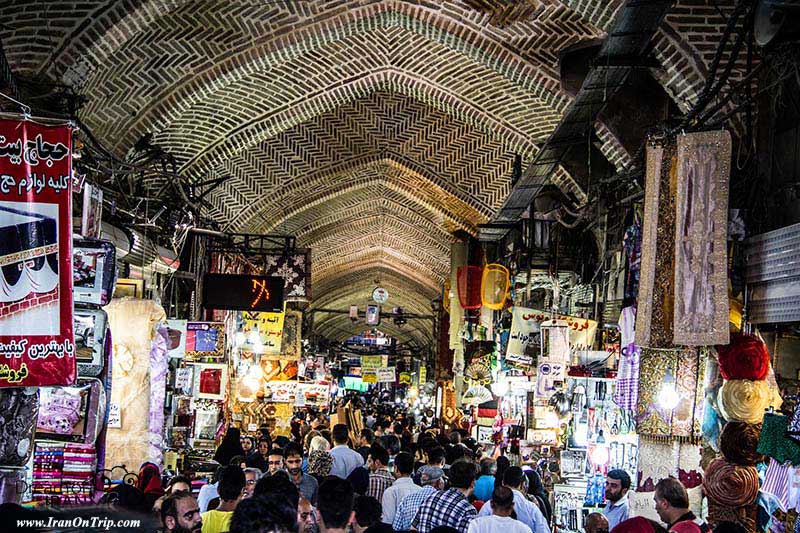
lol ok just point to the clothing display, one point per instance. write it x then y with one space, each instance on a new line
731 484
746 357
738 442
701 233
774 443
744 400
626 391
663 458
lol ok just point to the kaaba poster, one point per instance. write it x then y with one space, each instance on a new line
36 329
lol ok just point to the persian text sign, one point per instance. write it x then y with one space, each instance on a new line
36 331
386 374
526 326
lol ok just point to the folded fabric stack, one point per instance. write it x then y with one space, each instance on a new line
48 465
80 461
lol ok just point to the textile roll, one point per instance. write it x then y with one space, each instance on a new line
742 400
746 357
739 441
655 302
701 230
730 484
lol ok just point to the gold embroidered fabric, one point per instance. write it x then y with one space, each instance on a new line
655 302
701 221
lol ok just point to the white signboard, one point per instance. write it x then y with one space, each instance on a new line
114 415
386 374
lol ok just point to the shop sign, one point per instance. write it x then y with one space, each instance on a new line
520 359
243 292
369 376
386 374
183 379
114 415
373 315
405 378
283 391
423 374
380 295
176 330
526 328
313 394
549 378
269 329
36 327
371 362
205 340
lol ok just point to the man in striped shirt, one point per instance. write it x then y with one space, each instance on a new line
449 507
380 478
432 479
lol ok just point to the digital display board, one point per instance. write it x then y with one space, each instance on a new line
243 292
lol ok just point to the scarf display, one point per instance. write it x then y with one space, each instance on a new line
731 485
659 460
774 442
654 315
746 357
738 442
626 390
701 232
320 463
687 367
742 400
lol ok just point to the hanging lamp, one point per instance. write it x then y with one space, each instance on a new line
469 286
494 286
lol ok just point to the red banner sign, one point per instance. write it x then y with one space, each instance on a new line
37 347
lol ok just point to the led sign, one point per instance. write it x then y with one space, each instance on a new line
243 292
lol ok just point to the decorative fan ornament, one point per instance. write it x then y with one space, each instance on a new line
478 372
477 395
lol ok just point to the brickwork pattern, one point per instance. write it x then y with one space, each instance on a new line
371 129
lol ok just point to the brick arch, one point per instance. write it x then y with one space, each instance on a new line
385 258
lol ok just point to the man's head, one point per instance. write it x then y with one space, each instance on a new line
462 476
275 460
436 456
595 523
277 484
261 515
433 476
671 500
179 484
618 482
378 457
335 504
340 434
368 512
293 458
251 477
403 465
488 466
305 516
231 483
367 437
514 478
502 501
455 437
180 513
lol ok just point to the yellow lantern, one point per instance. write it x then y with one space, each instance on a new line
494 286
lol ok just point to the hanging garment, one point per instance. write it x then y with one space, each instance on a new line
626 390
774 443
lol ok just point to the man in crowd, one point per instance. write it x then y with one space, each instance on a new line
208 492
527 512
618 482
485 484
251 477
368 516
345 460
306 517
231 489
180 513
335 505
380 478
672 506
402 486
365 440
432 479
275 515
307 485
435 457
450 507
274 460
596 523
500 519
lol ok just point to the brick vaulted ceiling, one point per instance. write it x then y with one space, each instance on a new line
370 129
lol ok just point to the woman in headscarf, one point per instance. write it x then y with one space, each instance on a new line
229 448
537 493
320 459
503 464
149 483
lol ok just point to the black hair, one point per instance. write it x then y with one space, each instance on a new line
378 453
237 460
359 479
275 451
514 477
461 475
404 463
340 434
488 466
231 483
502 498
261 515
368 510
729 527
292 449
436 455
368 434
278 484
444 529
174 480
391 443
621 476
169 506
335 502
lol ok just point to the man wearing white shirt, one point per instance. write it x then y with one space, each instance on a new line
500 519
402 487
527 512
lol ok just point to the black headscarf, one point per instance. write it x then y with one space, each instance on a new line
229 448
502 465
